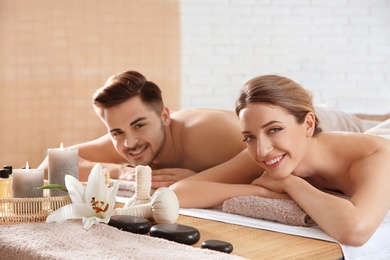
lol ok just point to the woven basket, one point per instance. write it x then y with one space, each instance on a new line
22 210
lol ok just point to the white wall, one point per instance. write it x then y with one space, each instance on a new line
338 49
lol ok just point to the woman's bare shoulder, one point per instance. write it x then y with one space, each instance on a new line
351 141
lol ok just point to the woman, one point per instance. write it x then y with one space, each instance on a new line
283 137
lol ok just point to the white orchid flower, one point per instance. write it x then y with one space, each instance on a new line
93 203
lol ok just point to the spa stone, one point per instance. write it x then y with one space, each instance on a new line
130 223
217 245
175 232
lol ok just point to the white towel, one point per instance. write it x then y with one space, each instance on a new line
382 129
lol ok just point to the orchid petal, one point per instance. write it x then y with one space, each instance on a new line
88 222
112 191
96 186
76 190
60 215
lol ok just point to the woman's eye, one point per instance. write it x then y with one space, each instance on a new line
247 139
275 130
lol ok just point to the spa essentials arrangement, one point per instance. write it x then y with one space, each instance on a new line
20 198
162 206
94 201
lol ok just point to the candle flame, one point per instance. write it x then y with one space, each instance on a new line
61 147
27 167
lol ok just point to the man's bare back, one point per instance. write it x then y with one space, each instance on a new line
206 137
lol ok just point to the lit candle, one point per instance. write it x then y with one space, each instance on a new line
26 181
62 161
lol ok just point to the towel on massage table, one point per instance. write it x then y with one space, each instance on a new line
279 210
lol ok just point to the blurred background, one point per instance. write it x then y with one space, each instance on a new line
55 54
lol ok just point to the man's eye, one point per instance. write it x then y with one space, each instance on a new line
115 134
247 139
138 126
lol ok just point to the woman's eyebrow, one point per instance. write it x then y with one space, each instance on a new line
270 123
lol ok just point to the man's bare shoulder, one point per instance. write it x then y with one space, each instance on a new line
193 116
206 137
209 125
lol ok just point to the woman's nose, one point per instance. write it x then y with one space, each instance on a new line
264 147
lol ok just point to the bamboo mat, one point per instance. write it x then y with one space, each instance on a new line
254 243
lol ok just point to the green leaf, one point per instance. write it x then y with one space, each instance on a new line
53 186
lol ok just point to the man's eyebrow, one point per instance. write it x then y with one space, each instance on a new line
137 120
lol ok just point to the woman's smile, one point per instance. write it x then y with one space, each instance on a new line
274 162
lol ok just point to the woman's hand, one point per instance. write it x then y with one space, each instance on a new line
268 182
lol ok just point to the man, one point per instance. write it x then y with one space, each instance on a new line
141 131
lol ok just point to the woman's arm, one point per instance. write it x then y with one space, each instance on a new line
206 194
230 179
353 221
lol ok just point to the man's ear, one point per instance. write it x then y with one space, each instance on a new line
310 123
166 116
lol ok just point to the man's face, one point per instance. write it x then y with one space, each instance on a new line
137 131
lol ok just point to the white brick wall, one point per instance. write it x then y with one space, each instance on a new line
338 49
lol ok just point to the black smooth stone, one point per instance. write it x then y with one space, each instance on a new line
177 233
217 245
130 223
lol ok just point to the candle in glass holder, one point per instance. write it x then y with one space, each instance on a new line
62 161
26 181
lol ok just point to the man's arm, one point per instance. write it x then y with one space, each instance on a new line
100 150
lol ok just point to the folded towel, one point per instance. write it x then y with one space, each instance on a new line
69 240
127 188
278 210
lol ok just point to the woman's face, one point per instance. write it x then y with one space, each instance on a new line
275 140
